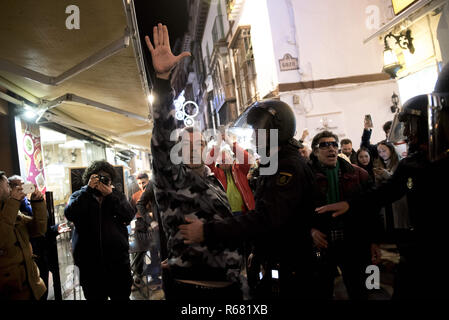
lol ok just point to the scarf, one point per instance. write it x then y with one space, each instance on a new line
333 191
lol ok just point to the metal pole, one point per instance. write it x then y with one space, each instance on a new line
53 247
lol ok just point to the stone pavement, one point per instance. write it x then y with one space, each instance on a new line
387 266
389 262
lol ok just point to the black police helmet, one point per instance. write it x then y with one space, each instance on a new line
273 114
416 106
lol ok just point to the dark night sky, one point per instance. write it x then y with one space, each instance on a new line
173 13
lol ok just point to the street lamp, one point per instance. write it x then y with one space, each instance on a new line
391 62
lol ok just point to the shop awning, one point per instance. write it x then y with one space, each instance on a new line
100 63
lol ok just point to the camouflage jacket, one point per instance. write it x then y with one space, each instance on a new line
180 192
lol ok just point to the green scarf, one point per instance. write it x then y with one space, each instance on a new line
333 191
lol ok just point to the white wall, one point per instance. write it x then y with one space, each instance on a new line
330 37
285 40
327 37
353 101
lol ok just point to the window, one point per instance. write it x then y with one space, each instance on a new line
218 29
208 56
219 96
223 84
244 67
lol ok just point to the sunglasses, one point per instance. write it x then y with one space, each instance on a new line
328 144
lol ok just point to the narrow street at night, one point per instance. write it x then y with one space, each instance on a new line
224 158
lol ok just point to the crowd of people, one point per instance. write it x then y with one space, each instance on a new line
216 227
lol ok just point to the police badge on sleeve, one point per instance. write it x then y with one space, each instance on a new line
283 178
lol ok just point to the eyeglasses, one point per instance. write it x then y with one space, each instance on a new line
328 144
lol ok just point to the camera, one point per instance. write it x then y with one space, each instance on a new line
28 188
105 180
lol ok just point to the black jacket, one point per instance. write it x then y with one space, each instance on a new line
361 226
282 219
100 235
366 136
425 185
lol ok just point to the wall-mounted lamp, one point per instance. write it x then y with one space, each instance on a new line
395 101
391 62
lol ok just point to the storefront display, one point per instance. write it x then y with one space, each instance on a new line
30 153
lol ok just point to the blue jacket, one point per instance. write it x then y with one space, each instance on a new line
25 207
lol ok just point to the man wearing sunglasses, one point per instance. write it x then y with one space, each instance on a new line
346 243
422 176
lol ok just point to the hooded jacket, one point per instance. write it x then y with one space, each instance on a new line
19 275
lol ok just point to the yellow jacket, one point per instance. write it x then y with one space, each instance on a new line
19 275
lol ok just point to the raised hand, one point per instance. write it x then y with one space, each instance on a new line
163 58
305 133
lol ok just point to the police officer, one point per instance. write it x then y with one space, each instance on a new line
422 177
280 224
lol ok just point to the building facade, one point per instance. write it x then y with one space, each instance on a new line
320 57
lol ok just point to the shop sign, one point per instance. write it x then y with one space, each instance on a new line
34 164
288 63
401 5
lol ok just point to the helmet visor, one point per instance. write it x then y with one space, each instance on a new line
438 116
254 117
243 131
396 134
254 124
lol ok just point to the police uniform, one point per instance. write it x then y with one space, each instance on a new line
280 228
423 177
421 272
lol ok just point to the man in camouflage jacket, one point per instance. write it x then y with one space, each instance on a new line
186 190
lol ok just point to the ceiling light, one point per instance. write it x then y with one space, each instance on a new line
29 114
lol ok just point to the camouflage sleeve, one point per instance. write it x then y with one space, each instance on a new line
163 126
